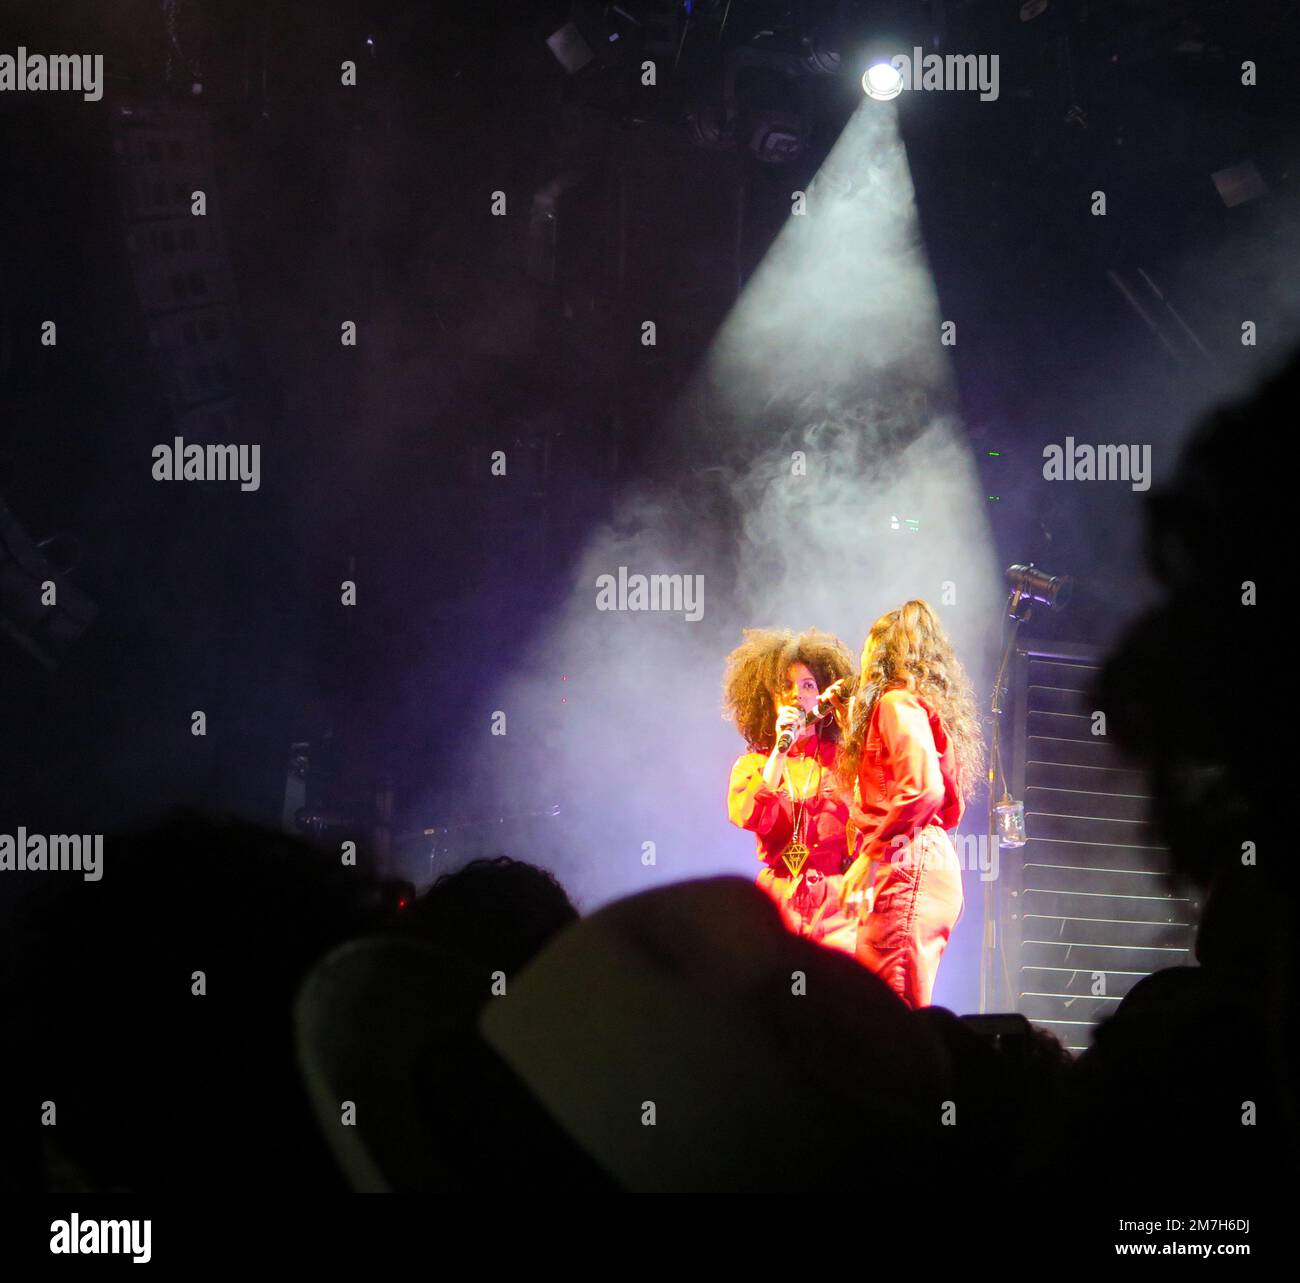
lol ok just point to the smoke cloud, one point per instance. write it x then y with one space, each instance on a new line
840 486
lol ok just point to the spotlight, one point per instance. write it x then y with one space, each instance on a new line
706 129
777 139
1037 586
882 81
819 57
765 98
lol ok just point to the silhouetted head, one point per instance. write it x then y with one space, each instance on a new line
1205 738
152 1008
496 911
1188 695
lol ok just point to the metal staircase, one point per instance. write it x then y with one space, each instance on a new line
1084 910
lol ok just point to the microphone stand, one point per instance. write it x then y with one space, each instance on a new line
992 947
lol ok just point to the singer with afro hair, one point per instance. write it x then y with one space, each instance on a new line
783 692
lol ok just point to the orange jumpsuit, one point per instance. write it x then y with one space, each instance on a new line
810 902
906 799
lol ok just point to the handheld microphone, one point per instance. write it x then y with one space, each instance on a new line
824 707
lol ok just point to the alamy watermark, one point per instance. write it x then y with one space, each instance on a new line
91 1237
955 72
1082 462
975 853
673 594
212 462
25 72
24 852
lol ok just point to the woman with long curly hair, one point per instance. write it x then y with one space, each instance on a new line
784 789
912 753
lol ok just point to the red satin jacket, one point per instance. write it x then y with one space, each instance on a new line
907 778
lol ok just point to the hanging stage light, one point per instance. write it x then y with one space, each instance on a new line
1031 586
882 81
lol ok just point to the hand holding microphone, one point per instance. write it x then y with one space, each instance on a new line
790 721
831 700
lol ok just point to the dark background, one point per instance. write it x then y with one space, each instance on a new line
371 204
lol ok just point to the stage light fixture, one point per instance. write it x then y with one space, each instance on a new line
882 81
819 58
1032 586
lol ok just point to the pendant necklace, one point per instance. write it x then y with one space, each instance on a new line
795 854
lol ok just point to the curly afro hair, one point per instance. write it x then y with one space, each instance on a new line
756 674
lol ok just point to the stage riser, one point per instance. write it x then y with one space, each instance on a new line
1086 908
